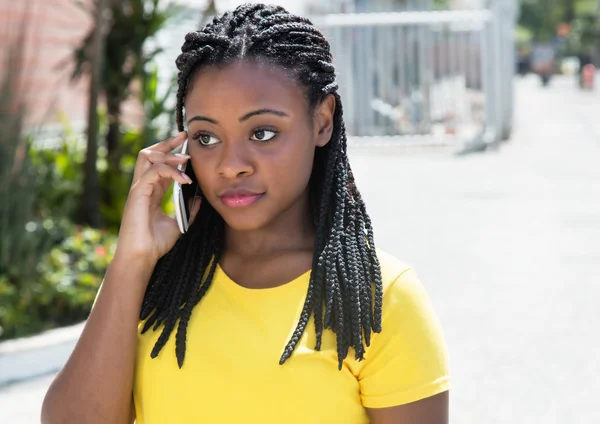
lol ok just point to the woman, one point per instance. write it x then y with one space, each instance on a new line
275 306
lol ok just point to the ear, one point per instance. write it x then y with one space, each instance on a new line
323 120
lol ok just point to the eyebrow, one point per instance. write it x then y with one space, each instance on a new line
243 118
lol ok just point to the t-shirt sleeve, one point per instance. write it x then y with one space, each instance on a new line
408 360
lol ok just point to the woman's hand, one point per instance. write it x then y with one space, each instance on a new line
146 231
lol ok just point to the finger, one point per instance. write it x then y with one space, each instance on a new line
148 157
157 174
168 158
169 144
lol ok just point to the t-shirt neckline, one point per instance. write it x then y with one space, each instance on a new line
232 285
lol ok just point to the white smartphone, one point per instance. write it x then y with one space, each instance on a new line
182 211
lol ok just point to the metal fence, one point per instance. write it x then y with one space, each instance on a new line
439 76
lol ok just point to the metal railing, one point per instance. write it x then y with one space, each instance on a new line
441 76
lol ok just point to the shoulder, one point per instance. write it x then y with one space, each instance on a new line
407 361
404 296
392 269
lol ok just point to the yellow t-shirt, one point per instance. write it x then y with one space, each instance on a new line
235 338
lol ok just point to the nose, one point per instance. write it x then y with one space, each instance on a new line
235 161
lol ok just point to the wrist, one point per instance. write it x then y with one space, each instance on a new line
134 264
125 283
125 253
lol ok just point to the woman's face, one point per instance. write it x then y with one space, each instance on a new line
252 141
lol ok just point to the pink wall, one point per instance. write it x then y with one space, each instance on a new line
53 28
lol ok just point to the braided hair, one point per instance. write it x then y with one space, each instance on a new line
345 289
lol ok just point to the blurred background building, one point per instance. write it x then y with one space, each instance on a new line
420 65
42 35
401 75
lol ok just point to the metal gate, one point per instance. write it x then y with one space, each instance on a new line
440 76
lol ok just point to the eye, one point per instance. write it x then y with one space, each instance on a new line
206 139
263 135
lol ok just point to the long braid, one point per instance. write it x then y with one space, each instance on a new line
345 288
199 292
365 270
319 256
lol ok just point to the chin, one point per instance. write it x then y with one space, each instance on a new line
244 219
245 223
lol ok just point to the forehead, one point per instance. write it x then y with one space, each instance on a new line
243 84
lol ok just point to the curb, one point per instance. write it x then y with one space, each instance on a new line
30 357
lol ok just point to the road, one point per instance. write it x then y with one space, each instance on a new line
507 243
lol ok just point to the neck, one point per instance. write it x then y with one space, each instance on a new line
291 230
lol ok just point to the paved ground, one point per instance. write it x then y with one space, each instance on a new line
508 244
22 403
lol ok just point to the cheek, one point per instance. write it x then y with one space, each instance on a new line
201 171
293 165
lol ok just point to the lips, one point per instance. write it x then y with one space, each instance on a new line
237 198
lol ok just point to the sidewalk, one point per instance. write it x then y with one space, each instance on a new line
508 245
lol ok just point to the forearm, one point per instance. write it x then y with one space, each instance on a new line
96 383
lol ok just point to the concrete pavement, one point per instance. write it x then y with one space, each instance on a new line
508 245
22 403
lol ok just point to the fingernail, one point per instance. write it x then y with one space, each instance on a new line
187 178
181 155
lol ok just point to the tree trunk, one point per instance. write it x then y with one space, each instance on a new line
113 136
569 10
113 146
90 211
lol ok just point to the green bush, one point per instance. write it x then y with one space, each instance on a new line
76 267
58 173
21 283
70 275
24 236
50 269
